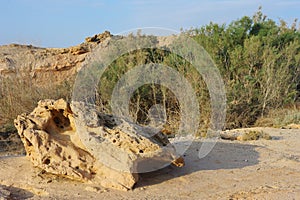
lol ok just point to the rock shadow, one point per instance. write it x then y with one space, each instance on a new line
224 155
11 144
10 192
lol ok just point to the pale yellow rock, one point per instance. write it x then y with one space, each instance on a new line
244 134
46 65
92 189
79 143
121 144
292 126
50 141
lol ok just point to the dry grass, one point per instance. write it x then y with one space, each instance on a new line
20 95
281 117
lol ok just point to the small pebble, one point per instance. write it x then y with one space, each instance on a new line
92 189
105 190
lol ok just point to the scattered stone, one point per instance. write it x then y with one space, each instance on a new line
92 189
291 126
244 135
105 190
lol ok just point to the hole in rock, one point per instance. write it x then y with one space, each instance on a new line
47 161
58 123
59 119
56 120
28 142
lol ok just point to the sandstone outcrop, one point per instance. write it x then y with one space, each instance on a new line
98 38
78 142
46 64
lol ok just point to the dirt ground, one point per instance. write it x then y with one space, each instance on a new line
261 169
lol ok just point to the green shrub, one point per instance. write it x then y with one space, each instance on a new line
260 64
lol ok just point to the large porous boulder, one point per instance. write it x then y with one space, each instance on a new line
78 142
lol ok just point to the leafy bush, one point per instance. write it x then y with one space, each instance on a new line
260 64
258 60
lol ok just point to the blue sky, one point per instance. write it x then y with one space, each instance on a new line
63 23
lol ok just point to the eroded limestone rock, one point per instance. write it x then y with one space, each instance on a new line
44 65
78 142
98 38
121 144
50 140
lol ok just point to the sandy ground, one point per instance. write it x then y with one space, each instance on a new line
262 169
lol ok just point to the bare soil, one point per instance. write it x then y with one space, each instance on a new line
260 169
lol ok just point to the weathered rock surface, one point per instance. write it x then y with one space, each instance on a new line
134 148
98 38
50 141
80 143
44 64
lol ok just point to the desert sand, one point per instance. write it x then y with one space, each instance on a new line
259 169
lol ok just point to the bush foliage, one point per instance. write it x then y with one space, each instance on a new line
258 59
260 64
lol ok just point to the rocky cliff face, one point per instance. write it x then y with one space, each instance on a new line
44 64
